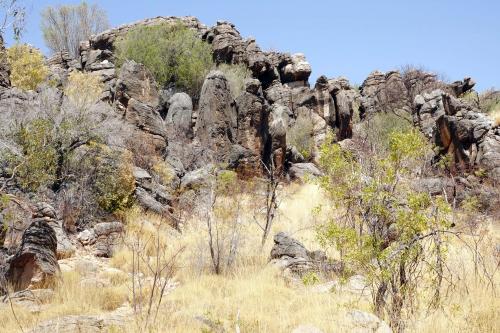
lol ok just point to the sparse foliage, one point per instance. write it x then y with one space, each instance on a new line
27 67
223 218
13 16
171 51
65 26
387 229
301 136
236 76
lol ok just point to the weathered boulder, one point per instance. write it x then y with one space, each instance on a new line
150 194
296 69
461 87
35 263
47 213
179 115
116 320
364 322
229 47
302 170
216 127
290 255
459 129
279 118
103 237
252 129
136 81
383 92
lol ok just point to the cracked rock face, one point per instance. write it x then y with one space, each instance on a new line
290 255
460 129
35 263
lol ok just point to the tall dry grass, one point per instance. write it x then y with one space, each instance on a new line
254 295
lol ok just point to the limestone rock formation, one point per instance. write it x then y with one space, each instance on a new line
364 322
217 119
229 47
47 213
292 256
179 115
104 237
461 130
35 263
116 320
253 129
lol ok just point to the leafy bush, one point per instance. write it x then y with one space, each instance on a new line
379 127
37 166
386 226
83 88
114 181
27 67
236 76
301 136
172 52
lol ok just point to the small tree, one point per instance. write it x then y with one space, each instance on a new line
385 228
13 16
27 65
64 27
44 136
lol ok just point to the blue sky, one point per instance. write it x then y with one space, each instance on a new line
456 38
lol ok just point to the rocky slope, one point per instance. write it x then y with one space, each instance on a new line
248 133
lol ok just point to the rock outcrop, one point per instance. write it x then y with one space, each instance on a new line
35 263
217 118
290 255
461 130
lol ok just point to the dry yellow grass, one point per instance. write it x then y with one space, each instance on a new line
495 116
255 292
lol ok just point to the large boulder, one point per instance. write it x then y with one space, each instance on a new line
103 238
252 128
229 47
279 118
216 127
461 130
290 255
35 263
136 81
179 115
47 213
297 69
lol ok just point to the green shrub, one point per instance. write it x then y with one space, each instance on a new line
172 52
27 67
236 76
114 180
37 167
380 126
301 136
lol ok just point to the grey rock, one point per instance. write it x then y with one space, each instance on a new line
301 170
35 262
290 255
298 69
179 114
217 120
364 322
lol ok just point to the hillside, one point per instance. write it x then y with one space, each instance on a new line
174 177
